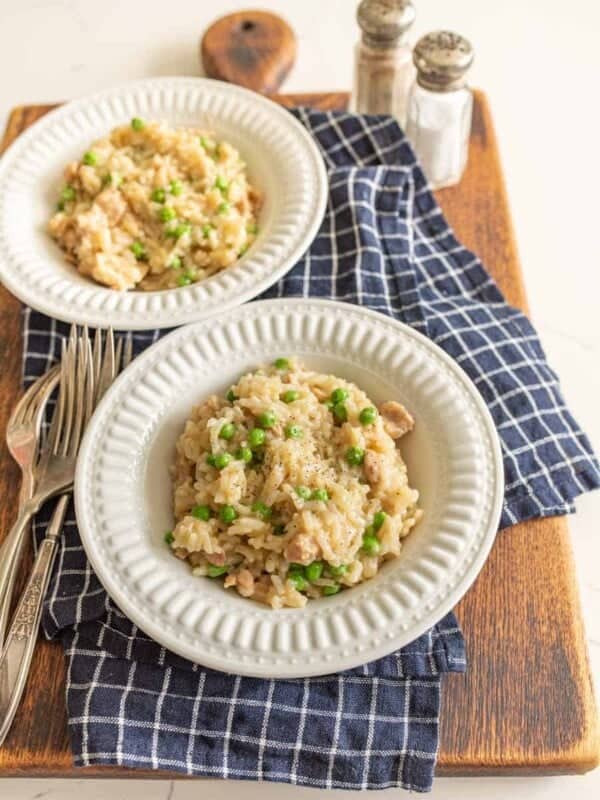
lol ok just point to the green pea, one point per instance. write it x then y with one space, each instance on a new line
355 456
339 395
167 213
223 207
230 396
298 581
290 396
138 124
321 495
244 454
169 538
340 412
378 519
90 158
256 437
267 419
304 492
296 569
201 512
176 188
328 591
184 280
227 432
214 571
60 206
210 459
337 572
252 228
221 184
261 509
176 263
204 142
206 229
279 529
68 194
293 432
111 179
367 416
139 251
177 231
228 514
281 363
222 460
370 544
314 571
158 196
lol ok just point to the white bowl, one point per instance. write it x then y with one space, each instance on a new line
283 162
123 491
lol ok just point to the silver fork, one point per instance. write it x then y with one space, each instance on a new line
53 473
104 364
22 436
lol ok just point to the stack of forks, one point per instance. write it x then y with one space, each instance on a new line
47 464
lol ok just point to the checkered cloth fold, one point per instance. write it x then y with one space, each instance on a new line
384 244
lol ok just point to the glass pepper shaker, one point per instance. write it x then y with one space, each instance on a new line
383 60
440 106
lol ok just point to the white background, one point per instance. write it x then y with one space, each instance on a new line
539 62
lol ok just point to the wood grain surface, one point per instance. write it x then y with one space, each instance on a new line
255 49
526 704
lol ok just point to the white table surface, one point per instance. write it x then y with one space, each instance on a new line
539 63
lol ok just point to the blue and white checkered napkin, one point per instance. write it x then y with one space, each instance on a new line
384 244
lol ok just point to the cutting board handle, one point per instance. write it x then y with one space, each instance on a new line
255 49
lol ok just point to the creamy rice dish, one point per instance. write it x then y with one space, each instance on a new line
291 486
152 207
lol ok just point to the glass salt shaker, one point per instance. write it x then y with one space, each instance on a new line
440 106
384 70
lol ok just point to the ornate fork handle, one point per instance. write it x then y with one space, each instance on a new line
12 543
20 643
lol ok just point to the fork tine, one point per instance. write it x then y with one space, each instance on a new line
23 409
118 356
41 401
128 351
80 379
97 356
90 392
56 424
107 372
69 391
30 402
89 384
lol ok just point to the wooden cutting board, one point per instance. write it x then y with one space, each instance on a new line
526 704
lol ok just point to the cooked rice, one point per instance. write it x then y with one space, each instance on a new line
265 551
152 207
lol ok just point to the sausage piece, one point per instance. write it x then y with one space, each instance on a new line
396 419
302 549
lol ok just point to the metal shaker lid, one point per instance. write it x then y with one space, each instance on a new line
442 59
384 21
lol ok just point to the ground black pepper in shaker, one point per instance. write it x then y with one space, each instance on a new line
383 62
